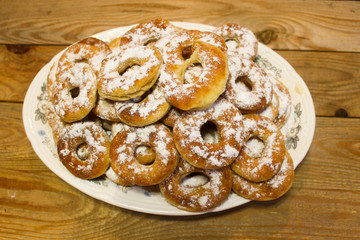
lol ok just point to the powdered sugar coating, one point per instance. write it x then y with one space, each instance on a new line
260 94
155 32
105 109
172 116
77 68
284 102
264 167
142 66
122 154
98 144
79 76
241 42
203 154
149 110
55 122
209 85
272 110
197 198
110 174
270 189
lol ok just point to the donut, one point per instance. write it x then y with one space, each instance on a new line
257 163
241 42
101 51
110 174
284 102
272 110
74 90
172 116
156 32
55 122
209 155
123 160
84 133
146 111
245 72
105 109
129 72
208 86
143 154
270 189
197 198
51 87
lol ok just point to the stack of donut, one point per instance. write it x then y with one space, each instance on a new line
161 105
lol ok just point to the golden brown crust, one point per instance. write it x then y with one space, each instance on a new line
55 122
77 69
246 44
284 102
105 109
271 189
76 134
110 174
129 72
260 93
265 166
200 153
172 116
156 32
209 86
145 112
272 110
197 198
123 160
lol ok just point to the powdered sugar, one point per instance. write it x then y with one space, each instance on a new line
204 153
260 94
119 61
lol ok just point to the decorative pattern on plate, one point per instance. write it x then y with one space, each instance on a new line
266 64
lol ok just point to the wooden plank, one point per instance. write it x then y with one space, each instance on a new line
310 25
331 77
322 204
19 64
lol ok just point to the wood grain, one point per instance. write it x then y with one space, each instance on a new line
322 204
331 77
307 25
19 64
320 39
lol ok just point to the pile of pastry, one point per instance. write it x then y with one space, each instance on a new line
186 110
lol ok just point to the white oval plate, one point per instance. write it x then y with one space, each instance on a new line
299 131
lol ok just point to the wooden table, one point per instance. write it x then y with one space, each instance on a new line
320 39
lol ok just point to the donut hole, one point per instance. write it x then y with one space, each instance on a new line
192 73
128 68
254 147
83 151
210 132
243 83
81 60
151 42
194 179
187 52
231 43
145 155
75 92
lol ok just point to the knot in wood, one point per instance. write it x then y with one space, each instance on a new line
266 36
18 49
